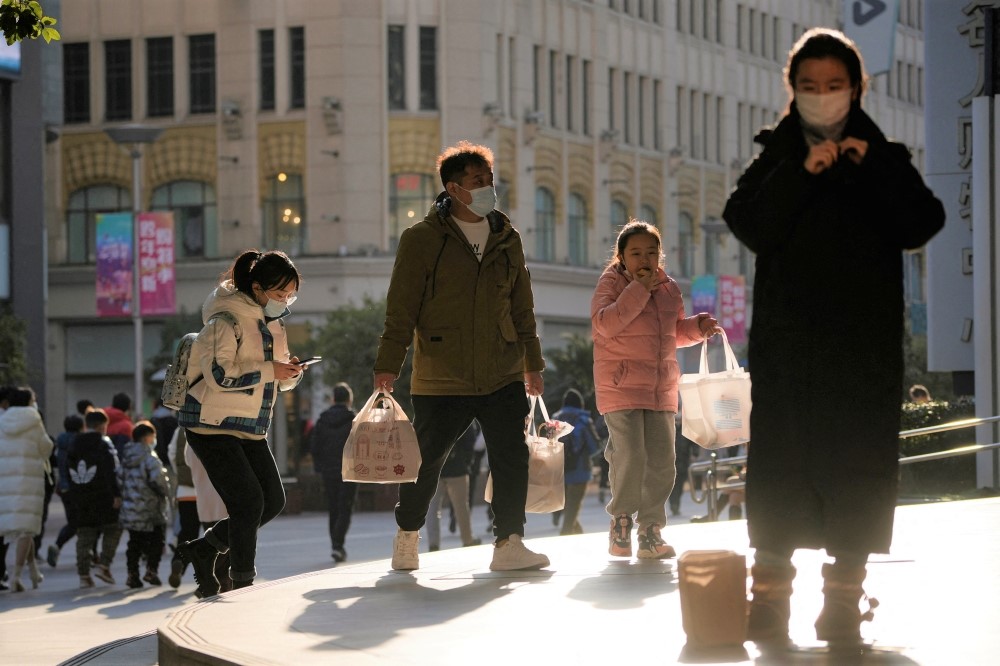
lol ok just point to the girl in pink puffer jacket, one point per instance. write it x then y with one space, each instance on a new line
637 316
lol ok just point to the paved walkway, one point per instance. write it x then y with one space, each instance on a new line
938 591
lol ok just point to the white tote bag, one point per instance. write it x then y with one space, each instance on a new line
382 446
546 474
715 406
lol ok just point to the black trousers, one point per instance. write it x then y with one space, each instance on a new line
439 421
148 544
340 496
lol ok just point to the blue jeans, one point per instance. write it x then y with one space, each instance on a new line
244 473
439 420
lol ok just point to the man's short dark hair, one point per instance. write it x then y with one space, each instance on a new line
572 398
453 161
83 405
121 401
342 394
95 419
73 423
142 429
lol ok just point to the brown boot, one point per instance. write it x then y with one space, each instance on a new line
770 605
841 618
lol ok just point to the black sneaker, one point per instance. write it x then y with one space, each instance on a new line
201 556
152 578
133 580
176 571
338 554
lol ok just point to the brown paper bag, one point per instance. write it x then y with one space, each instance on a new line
713 587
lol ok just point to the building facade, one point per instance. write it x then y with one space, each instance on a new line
312 126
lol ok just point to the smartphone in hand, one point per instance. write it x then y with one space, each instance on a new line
309 361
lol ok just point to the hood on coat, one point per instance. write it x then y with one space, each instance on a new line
134 453
227 298
18 420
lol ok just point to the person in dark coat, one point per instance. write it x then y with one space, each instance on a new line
326 443
828 207
92 465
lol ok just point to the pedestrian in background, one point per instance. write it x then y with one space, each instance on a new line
72 426
92 464
638 321
145 490
25 448
827 207
235 381
578 448
185 504
326 444
454 484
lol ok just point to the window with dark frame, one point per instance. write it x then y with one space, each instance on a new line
428 68
76 83
396 79
118 79
201 60
265 44
159 76
297 67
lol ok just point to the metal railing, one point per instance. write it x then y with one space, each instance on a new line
713 485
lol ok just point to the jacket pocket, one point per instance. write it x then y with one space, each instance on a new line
440 354
510 351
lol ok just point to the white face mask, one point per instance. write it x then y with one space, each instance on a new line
484 199
824 110
275 308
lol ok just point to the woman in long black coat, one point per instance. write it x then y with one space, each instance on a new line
828 207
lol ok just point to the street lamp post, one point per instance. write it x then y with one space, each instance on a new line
134 136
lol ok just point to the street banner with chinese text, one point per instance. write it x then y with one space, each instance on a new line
156 264
733 307
114 264
704 294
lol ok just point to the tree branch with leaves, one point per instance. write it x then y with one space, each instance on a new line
25 19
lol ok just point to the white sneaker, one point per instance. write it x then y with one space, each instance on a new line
514 556
404 550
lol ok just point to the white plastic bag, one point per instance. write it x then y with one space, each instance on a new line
715 406
546 474
382 446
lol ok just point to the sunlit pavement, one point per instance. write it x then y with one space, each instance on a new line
938 591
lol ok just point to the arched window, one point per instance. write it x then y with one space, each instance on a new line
576 218
619 217
284 214
545 225
711 252
685 245
82 209
410 196
195 217
648 214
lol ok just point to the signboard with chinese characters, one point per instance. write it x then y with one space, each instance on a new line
704 294
733 307
156 264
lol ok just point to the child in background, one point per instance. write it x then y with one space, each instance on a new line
92 465
145 489
638 322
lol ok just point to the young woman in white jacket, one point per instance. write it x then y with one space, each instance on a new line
235 373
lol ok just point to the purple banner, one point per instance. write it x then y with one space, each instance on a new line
704 296
114 264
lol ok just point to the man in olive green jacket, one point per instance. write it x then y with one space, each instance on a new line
461 289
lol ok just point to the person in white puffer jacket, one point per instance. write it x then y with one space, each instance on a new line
24 461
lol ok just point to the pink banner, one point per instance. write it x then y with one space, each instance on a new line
733 307
156 264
